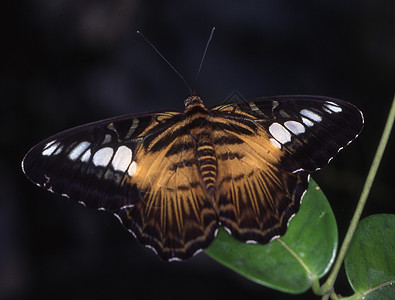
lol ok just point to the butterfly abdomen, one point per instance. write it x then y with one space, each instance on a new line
201 130
207 163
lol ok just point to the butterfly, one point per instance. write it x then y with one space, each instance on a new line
172 178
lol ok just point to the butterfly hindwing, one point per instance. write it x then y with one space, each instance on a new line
175 216
255 197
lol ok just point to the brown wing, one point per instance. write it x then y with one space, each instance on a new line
266 149
134 167
174 215
255 197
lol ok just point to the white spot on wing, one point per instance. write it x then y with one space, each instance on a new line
251 242
153 249
275 143
86 156
78 150
197 252
132 168
102 157
334 108
311 115
118 217
122 159
279 132
307 122
132 128
228 230
305 191
50 148
60 148
134 235
216 232
253 106
332 103
49 144
127 206
290 218
107 139
174 259
274 238
294 127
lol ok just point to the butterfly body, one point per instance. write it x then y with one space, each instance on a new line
201 133
172 178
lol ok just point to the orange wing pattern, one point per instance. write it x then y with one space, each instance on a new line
175 215
172 177
266 149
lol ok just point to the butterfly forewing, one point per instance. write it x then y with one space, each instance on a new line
89 163
172 178
307 131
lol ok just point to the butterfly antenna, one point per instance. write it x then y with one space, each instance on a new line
204 54
161 55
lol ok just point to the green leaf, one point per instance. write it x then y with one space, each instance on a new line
370 260
290 264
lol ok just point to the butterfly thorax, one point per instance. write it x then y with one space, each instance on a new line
201 132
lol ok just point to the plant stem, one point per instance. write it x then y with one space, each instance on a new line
325 297
328 285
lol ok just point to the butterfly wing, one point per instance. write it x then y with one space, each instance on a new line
266 149
129 166
308 130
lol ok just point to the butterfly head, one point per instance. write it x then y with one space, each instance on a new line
192 99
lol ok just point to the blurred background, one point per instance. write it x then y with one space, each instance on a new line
66 63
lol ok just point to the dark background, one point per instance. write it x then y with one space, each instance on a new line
66 63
